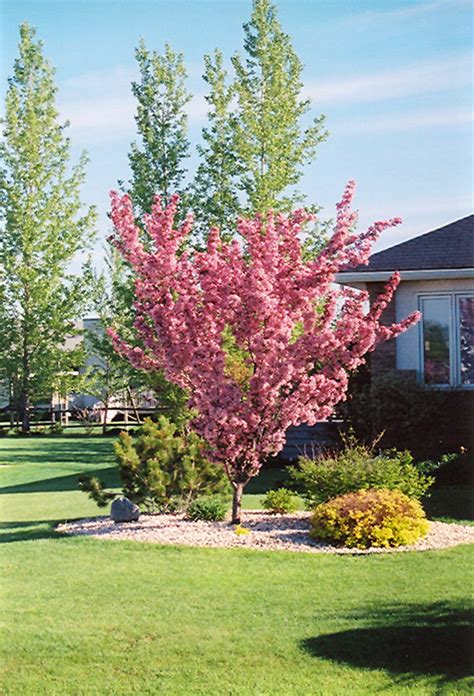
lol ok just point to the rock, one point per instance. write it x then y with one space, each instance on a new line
123 510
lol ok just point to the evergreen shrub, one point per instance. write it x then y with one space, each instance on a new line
163 469
424 420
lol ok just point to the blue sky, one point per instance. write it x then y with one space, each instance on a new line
392 77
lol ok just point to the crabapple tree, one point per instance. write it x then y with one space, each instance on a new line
259 336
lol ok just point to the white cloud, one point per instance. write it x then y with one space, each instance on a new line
108 80
407 121
101 102
413 9
101 105
433 76
110 114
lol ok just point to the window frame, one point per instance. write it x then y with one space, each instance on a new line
454 338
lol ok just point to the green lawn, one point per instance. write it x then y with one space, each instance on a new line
84 617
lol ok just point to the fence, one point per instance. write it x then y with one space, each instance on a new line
98 417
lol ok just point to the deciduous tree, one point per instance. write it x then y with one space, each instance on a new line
44 226
157 162
257 334
215 191
271 143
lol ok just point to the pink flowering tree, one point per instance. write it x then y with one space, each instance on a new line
259 337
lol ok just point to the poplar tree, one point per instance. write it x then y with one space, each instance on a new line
215 194
256 146
271 144
44 226
157 163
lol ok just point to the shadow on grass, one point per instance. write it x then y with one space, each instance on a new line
109 475
49 451
407 641
28 531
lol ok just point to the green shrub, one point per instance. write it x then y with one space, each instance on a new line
280 501
95 488
56 428
210 508
374 517
163 469
357 466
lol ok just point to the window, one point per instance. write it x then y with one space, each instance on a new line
447 340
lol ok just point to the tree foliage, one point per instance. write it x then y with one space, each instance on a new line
44 225
257 140
157 163
270 142
291 342
253 147
161 468
215 192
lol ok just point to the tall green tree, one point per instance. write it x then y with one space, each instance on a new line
44 225
215 195
270 142
260 135
157 163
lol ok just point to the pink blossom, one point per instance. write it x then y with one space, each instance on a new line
296 337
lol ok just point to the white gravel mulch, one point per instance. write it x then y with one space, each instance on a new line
267 532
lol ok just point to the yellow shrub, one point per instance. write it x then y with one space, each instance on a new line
373 517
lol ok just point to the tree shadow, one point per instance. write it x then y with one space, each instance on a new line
28 531
109 475
49 452
408 641
33 529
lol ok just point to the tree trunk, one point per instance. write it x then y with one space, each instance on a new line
237 502
133 404
106 415
11 405
24 401
24 408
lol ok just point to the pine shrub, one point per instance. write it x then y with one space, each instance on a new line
374 517
162 468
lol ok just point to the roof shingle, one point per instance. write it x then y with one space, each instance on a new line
451 246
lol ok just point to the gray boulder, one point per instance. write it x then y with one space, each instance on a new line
123 510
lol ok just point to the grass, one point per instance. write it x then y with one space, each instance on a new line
83 616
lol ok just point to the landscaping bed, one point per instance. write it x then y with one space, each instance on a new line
265 531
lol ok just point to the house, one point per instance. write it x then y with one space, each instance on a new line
436 278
